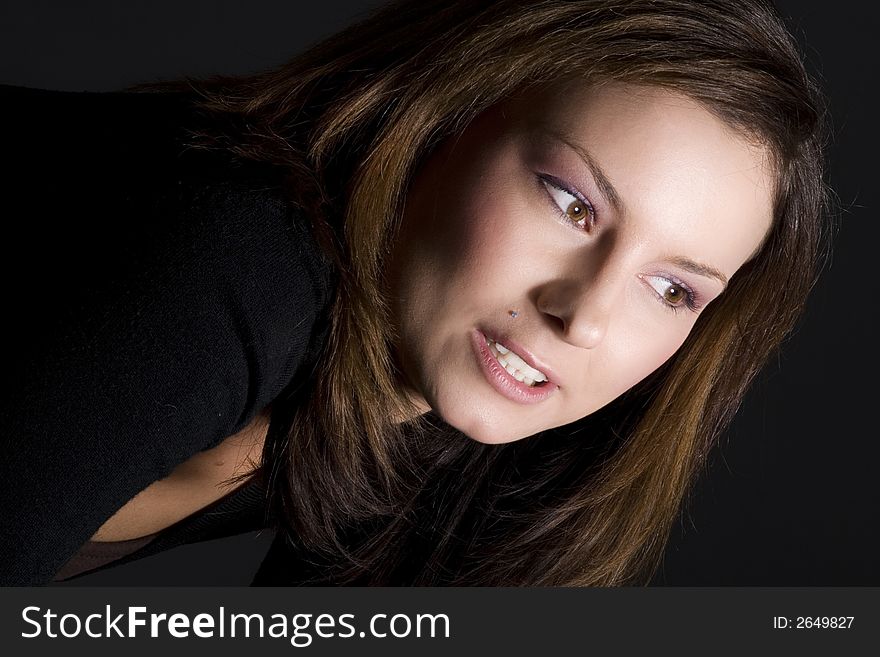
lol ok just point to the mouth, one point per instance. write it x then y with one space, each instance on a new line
516 366
511 370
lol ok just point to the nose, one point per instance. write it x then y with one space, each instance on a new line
580 300
581 312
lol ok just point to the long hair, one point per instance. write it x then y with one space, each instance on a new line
365 500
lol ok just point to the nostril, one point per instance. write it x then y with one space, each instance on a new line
555 312
560 323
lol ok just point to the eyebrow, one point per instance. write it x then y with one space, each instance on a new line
699 269
613 199
606 189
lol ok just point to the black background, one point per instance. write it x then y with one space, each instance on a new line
790 497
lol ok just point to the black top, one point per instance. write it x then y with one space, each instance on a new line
156 299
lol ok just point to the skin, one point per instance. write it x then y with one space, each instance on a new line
194 484
483 233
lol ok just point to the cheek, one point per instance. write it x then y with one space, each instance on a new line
639 352
478 213
480 242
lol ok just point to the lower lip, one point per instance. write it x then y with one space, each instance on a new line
500 379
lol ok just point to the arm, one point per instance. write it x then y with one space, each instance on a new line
152 317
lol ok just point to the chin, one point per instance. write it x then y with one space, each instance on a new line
492 440
466 414
480 428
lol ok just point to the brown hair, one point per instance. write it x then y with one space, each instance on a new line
367 501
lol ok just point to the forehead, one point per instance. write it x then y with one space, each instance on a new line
679 170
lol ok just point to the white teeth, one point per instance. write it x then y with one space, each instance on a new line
519 363
516 366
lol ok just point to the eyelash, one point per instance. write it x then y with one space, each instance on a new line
691 299
691 302
545 180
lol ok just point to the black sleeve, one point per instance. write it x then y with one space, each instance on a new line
147 320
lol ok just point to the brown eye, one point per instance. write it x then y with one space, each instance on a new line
671 294
576 211
674 294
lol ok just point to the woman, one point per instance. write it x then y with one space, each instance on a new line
570 232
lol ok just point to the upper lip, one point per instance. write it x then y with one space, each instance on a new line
527 355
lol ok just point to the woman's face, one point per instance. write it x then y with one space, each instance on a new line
605 218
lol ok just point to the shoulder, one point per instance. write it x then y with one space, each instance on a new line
107 188
132 244
162 301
